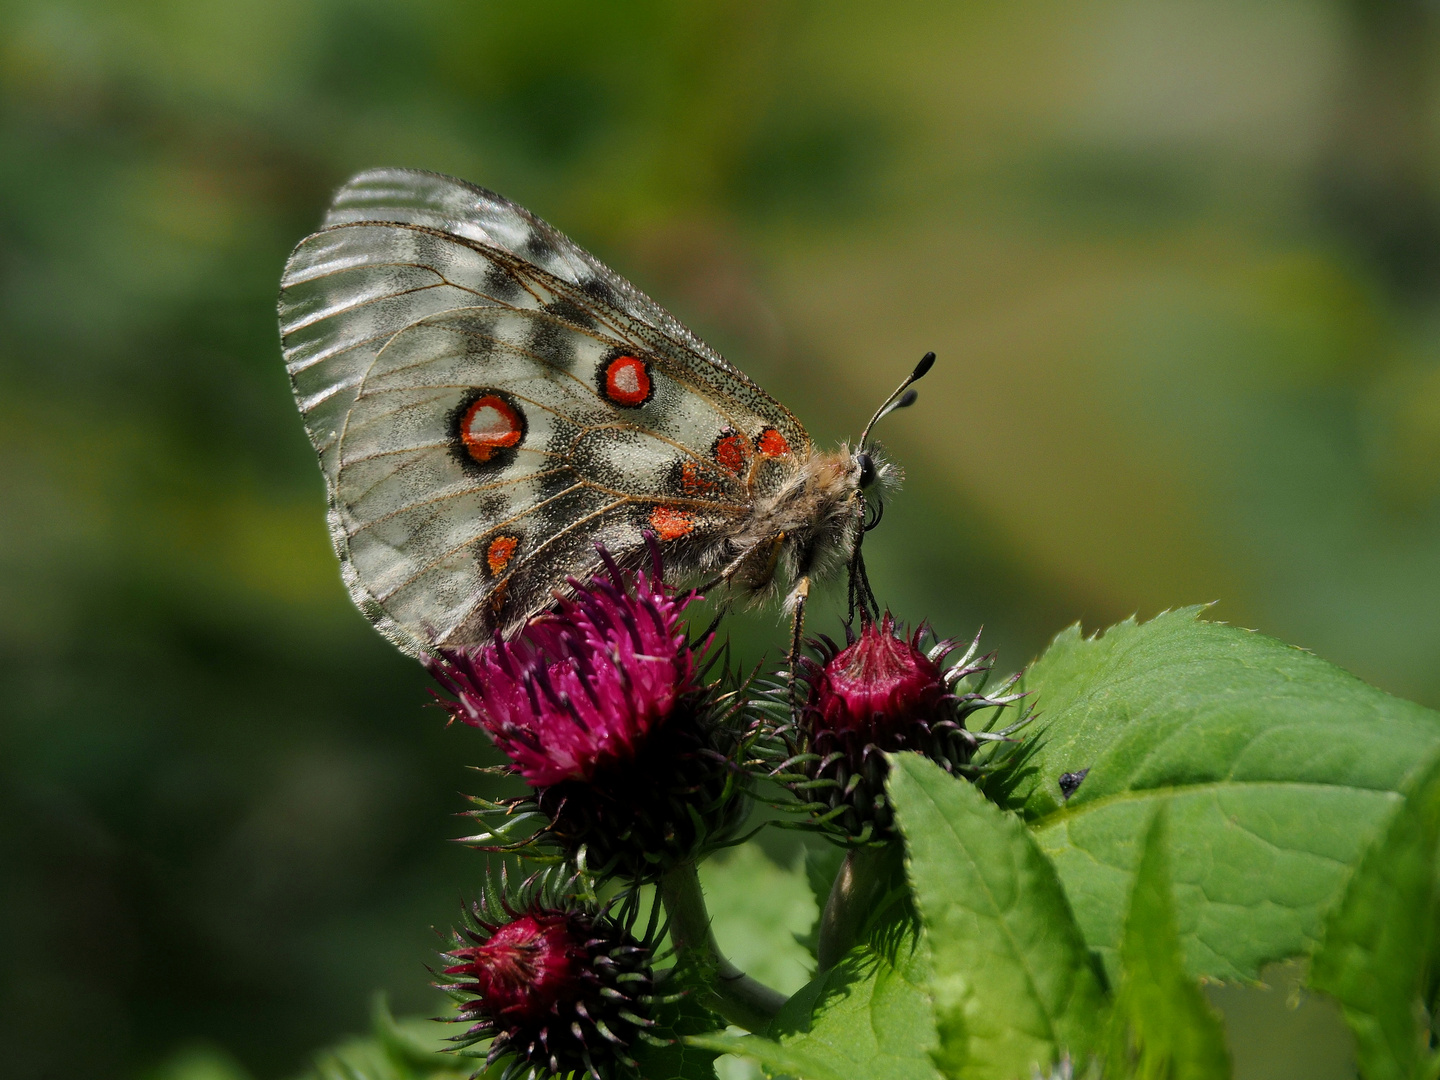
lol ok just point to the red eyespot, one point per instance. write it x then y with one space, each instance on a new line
500 552
671 524
772 444
732 451
489 425
625 380
693 480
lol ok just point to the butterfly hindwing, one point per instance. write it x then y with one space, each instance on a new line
424 510
484 416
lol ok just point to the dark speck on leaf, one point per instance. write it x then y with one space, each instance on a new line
1070 781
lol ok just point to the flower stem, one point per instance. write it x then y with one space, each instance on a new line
864 878
733 994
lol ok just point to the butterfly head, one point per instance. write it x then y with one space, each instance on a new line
815 524
865 469
869 472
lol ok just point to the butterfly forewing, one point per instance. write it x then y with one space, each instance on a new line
460 209
489 402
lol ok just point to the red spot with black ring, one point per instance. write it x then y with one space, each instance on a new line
490 425
625 380
670 523
732 451
772 444
499 553
693 480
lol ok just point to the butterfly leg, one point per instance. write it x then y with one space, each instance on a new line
796 601
721 611
757 565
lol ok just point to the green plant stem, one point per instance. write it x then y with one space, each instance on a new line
733 994
862 882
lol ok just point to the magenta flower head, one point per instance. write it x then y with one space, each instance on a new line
879 694
581 689
558 988
603 707
879 688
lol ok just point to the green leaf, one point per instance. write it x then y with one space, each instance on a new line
773 1056
1162 1026
1277 769
1014 985
869 1015
675 1021
397 1050
683 1059
1377 938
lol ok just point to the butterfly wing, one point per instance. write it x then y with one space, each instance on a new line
460 209
488 401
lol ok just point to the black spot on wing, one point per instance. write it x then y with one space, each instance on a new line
555 342
551 487
501 284
594 456
539 250
497 504
485 460
566 309
600 290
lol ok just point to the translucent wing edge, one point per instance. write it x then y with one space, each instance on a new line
415 196
373 610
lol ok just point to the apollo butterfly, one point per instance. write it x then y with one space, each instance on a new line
490 402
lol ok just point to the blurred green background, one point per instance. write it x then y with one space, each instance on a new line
1180 260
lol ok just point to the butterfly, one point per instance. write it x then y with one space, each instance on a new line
490 402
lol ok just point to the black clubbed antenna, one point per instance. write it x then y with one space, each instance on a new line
902 398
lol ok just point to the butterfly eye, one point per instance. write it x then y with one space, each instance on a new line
867 469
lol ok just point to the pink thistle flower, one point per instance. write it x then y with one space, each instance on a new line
882 693
602 706
525 969
879 687
582 687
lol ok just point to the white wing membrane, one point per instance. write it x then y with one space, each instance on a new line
347 292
